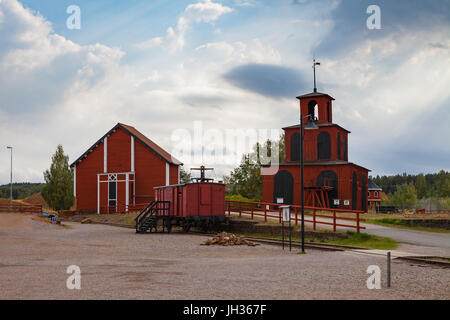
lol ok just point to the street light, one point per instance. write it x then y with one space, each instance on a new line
310 125
10 183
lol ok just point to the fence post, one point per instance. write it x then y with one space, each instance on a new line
252 213
296 216
357 222
240 209
279 215
314 219
334 220
265 213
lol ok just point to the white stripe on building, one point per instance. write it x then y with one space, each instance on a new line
167 174
75 181
105 154
98 194
132 154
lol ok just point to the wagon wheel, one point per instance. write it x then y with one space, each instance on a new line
169 227
186 227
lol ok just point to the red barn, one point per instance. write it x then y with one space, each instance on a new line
330 180
120 170
374 195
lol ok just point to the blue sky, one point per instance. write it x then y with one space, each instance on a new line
161 65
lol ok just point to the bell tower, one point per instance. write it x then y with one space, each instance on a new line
318 105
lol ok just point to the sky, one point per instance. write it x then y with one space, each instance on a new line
163 66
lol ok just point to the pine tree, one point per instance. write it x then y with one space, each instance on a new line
58 189
421 186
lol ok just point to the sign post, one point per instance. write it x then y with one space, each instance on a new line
286 217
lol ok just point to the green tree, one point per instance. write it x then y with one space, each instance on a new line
58 188
185 177
405 196
421 186
246 179
443 184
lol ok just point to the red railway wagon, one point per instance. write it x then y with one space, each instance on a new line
200 205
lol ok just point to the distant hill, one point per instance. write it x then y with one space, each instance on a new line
21 190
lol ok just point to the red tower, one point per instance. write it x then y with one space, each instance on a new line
330 180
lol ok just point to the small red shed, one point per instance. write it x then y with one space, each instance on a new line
374 195
120 170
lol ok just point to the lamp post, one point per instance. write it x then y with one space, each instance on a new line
10 183
310 125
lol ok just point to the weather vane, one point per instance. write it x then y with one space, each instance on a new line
314 68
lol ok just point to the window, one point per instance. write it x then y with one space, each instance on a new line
339 146
323 145
313 109
328 111
368 194
376 194
295 147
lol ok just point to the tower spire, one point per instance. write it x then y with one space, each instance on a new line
314 68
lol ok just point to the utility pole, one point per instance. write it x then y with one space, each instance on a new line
10 181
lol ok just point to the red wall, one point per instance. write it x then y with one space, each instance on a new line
86 179
150 172
310 145
344 173
149 167
119 151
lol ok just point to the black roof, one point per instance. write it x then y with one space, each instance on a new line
315 94
372 185
319 124
318 163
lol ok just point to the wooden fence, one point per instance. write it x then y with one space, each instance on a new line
273 211
19 207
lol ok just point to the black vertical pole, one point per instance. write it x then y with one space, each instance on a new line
389 269
301 172
290 231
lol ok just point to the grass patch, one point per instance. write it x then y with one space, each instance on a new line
403 224
365 240
362 240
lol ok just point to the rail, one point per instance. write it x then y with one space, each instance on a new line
273 211
19 207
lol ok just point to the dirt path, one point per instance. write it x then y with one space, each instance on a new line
116 263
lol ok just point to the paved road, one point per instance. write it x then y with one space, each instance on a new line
419 238
116 263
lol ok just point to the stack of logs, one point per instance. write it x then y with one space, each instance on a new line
227 239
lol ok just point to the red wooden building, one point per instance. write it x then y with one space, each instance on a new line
374 195
330 180
120 170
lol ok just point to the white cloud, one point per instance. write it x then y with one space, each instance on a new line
205 11
202 11
239 52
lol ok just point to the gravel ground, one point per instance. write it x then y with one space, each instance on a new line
116 263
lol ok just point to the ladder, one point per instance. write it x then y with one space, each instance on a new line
147 220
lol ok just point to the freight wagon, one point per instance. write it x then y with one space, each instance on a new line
200 205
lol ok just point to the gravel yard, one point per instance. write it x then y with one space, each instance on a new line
116 263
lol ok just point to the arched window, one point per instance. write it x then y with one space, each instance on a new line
313 109
328 111
323 145
339 146
364 194
283 187
295 147
345 148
